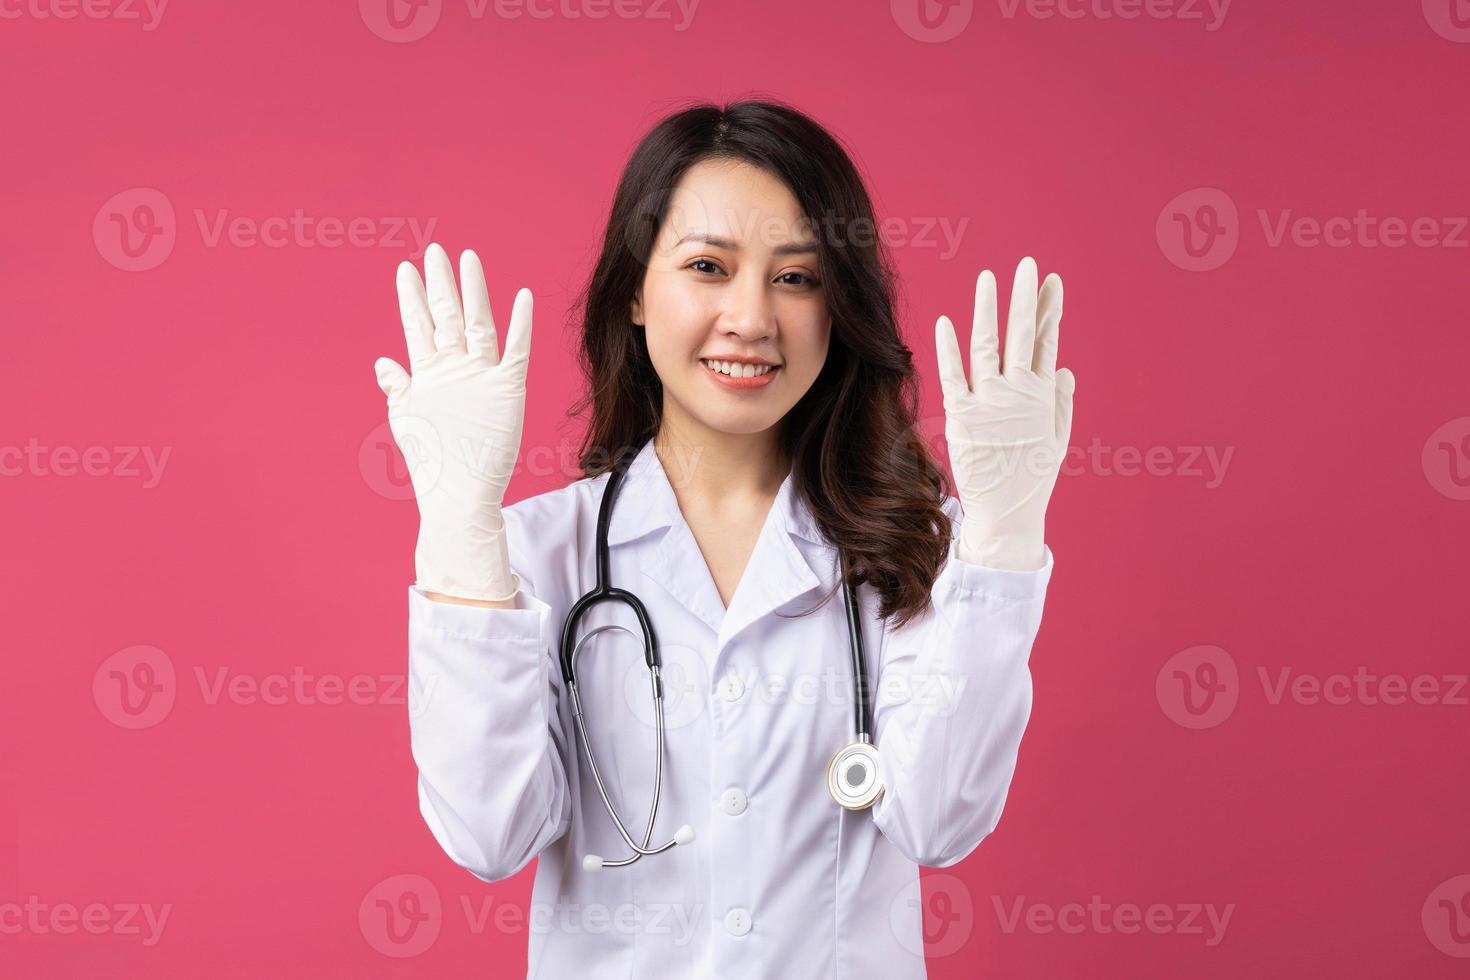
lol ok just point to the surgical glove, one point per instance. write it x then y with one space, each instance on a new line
1008 427
458 423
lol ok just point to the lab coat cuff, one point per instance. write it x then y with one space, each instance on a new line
523 622
1003 583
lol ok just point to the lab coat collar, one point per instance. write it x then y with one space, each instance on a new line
779 569
647 502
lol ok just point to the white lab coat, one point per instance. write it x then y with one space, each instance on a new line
780 881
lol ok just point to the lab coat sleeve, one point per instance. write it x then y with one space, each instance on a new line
952 700
486 735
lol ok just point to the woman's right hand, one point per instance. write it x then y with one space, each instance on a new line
458 422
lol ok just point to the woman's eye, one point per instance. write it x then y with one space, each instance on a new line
707 267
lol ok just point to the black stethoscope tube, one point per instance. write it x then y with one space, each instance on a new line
603 591
852 776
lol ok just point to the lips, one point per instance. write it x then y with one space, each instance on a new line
740 384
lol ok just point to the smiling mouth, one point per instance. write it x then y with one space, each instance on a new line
731 369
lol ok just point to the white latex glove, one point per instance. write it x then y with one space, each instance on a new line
458 423
1007 428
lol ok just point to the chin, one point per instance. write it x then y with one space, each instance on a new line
732 423
738 427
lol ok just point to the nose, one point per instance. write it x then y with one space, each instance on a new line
747 311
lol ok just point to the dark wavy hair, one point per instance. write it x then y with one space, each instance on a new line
858 461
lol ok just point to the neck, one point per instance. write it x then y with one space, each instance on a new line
711 468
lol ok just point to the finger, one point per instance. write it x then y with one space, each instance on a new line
443 299
947 351
1066 385
984 339
413 307
518 340
479 327
1048 326
391 377
1021 320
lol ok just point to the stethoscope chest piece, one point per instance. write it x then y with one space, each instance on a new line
852 776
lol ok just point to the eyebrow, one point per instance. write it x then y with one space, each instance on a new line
795 248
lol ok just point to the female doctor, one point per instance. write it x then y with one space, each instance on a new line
840 645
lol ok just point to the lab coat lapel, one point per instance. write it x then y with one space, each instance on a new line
678 566
778 571
646 505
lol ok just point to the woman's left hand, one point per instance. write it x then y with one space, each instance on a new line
1009 426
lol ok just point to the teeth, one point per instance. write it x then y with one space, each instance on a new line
735 370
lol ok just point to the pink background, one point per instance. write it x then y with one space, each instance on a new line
276 538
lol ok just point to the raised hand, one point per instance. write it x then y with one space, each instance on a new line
1008 426
458 421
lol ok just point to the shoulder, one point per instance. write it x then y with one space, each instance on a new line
557 516
545 533
554 505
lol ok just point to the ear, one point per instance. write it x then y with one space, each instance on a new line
635 309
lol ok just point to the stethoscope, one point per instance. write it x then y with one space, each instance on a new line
852 775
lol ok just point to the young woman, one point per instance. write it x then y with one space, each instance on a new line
760 809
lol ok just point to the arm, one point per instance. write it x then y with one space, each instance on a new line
953 699
488 740
485 731
955 686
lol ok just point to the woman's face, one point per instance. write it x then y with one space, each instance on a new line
733 274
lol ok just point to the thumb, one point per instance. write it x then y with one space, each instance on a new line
947 351
1066 385
391 377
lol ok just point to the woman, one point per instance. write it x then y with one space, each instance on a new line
734 247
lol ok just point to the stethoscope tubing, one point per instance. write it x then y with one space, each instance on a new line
658 764
602 592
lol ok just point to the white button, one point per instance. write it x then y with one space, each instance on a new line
737 922
732 801
731 687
